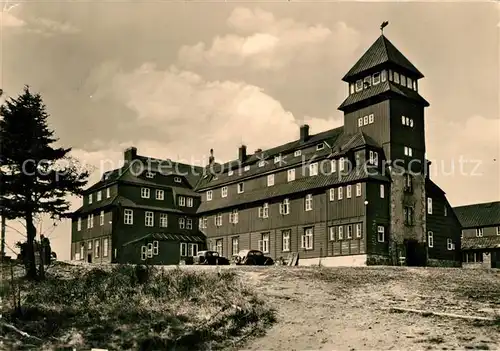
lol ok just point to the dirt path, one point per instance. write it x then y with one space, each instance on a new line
314 314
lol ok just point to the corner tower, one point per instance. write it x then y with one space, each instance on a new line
385 104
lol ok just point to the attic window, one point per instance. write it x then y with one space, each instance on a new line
351 88
150 175
230 173
178 180
359 85
247 168
376 78
297 153
409 83
277 159
403 80
396 77
367 82
106 176
261 164
320 146
384 75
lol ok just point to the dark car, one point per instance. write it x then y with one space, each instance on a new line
210 258
252 258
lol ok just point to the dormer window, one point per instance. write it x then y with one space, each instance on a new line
209 195
150 175
359 85
396 77
376 78
409 83
297 153
367 82
262 163
230 173
178 180
403 80
247 168
383 75
320 146
351 88
371 118
277 159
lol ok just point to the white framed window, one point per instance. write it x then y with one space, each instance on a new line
450 245
313 169
219 247
108 193
150 250
331 232
359 230
396 77
382 191
261 163
411 122
380 234
189 202
246 169
376 78
156 247
371 118
101 218
430 239
320 146
365 120
145 193
359 85
183 249
150 175
96 248
235 245
79 224
178 180
149 219
479 232
307 239
209 195
241 188
163 220
340 193
403 80
270 180
348 191
264 243
189 223
309 202
403 120
409 83
383 75
265 210
351 88
160 194
408 151
367 81
182 201
233 216
144 252
358 189
90 221
333 166
285 207
182 223
429 205
277 159
230 173
332 194
99 195
341 164
218 219
290 175
90 199
223 191
297 153
105 247
128 216
285 240
89 245
349 231
192 250
341 232
390 75
360 121
498 230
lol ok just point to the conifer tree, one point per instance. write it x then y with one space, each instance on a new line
36 176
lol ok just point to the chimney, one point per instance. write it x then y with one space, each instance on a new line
211 158
304 132
427 169
130 154
242 154
258 151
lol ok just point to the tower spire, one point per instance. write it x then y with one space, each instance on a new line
383 25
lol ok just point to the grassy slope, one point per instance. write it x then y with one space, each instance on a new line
174 309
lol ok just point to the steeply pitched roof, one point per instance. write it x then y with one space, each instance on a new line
382 51
191 173
384 89
297 186
486 242
479 215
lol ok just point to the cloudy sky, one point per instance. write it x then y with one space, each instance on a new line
176 79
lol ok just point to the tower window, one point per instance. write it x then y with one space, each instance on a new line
390 75
360 121
383 76
367 82
409 83
396 77
408 151
371 118
359 85
415 85
365 120
376 78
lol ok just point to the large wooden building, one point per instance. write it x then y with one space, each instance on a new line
354 195
480 234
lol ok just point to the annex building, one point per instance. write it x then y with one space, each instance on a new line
359 194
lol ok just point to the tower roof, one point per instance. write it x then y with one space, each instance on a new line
382 51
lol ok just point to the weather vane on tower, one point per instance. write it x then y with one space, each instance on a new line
383 25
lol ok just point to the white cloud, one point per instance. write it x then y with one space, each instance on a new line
50 27
9 20
264 42
195 115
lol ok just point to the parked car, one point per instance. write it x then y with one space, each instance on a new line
209 257
252 258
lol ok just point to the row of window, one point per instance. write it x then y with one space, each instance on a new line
128 218
407 121
450 245
90 221
480 232
105 249
365 120
313 171
378 77
337 232
160 195
99 195
151 175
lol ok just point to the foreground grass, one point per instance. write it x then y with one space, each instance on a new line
121 309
